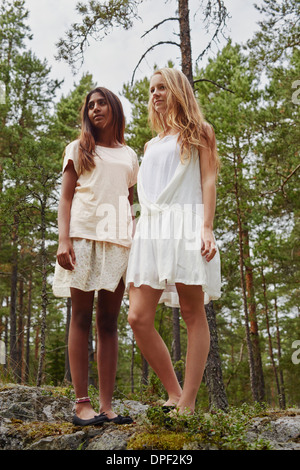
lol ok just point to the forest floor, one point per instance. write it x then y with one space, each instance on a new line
40 418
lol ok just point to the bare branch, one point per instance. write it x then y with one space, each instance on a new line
158 24
148 50
215 13
215 83
98 20
281 187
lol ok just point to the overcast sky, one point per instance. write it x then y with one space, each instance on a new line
112 60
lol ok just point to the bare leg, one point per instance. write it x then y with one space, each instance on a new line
108 309
193 313
143 301
82 308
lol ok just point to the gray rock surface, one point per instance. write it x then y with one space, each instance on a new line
33 418
283 432
26 413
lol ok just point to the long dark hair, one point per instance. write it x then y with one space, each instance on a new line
87 139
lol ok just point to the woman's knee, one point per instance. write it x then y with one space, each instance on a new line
192 313
107 322
142 306
133 318
138 320
191 300
81 319
82 309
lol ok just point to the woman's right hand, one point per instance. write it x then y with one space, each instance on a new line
65 255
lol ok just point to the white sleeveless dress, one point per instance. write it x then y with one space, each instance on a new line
166 248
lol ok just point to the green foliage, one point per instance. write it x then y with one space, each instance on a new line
138 129
67 120
278 35
158 441
257 133
39 430
221 430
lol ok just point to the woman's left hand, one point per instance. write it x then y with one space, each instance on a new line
208 248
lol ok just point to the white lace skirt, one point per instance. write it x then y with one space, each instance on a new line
99 265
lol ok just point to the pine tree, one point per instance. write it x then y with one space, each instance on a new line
231 114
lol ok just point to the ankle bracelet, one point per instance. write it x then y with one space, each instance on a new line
82 400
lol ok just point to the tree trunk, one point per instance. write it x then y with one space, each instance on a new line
145 372
282 388
13 299
37 340
6 340
213 376
29 300
44 295
20 340
2 330
185 40
252 315
176 344
253 379
270 338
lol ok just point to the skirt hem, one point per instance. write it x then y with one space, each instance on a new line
170 297
64 292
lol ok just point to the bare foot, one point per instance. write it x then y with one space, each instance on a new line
85 411
172 401
109 413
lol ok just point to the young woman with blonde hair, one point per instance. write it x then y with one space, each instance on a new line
99 172
174 258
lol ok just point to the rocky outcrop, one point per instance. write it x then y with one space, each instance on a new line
33 418
282 430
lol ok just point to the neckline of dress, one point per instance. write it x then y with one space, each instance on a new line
168 135
110 148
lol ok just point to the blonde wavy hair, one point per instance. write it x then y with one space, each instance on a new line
183 115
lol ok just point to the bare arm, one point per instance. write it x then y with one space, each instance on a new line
65 253
130 199
208 181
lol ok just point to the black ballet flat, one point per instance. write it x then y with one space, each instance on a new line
96 421
120 420
168 408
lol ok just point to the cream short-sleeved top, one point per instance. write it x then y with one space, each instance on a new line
100 208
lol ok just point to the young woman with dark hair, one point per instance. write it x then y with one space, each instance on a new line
95 233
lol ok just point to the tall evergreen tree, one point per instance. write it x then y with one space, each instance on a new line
232 114
29 96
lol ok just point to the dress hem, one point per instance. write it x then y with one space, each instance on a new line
212 295
60 292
